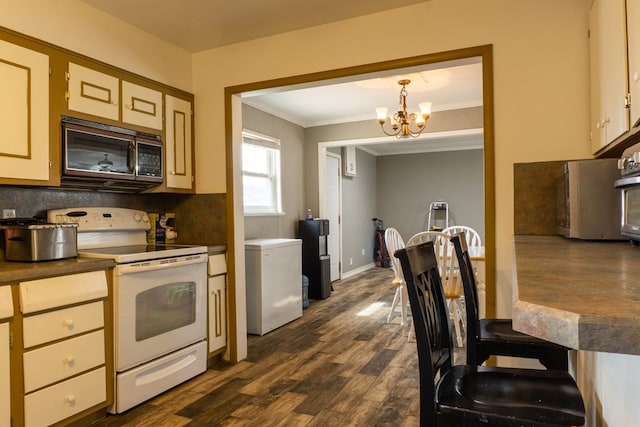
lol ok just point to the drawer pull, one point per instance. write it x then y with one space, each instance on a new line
70 361
69 324
70 399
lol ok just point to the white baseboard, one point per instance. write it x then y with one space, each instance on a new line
358 270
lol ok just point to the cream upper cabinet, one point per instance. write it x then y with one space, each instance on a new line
141 106
633 40
609 88
93 92
178 143
24 107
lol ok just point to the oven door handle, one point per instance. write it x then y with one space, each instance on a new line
160 264
626 182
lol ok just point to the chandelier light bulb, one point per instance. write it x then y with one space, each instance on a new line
381 113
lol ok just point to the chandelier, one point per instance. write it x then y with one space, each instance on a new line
402 120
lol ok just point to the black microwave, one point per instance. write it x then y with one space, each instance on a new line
100 156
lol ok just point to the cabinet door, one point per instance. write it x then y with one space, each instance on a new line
24 108
217 312
93 92
141 106
178 143
608 46
633 39
5 402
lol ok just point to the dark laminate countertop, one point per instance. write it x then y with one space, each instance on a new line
585 295
12 272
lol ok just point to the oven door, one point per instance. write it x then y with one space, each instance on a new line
160 306
630 221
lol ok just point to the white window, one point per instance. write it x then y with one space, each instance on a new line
261 174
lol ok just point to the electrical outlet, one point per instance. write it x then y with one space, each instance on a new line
8 213
350 261
362 251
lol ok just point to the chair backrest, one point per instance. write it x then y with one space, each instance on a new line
393 240
473 238
431 321
468 277
447 262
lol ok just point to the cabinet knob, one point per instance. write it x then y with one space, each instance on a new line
69 323
636 77
70 361
172 172
70 399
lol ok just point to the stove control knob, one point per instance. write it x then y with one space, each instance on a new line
145 218
137 217
635 157
622 163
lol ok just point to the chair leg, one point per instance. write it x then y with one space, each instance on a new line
455 313
404 300
396 298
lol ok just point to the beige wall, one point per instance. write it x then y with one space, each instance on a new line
540 51
73 25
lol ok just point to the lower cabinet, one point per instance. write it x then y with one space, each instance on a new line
64 348
5 399
217 300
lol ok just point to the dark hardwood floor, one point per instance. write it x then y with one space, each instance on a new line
341 364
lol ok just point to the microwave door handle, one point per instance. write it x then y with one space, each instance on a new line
132 154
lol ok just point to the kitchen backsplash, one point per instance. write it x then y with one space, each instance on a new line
200 218
534 197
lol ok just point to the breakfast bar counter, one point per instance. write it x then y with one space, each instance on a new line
581 294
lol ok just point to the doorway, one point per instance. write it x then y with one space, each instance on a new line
233 106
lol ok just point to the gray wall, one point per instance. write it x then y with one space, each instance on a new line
396 189
359 206
407 184
293 175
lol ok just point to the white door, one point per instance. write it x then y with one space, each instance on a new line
333 213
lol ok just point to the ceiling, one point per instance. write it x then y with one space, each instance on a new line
205 24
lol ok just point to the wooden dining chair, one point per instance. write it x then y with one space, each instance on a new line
471 395
496 337
393 241
451 281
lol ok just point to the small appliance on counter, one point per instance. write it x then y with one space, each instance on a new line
587 204
32 239
629 186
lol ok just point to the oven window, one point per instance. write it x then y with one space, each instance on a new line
165 308
632 206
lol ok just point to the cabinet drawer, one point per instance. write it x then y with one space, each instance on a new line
217 264
58 361
64 323
6 302
63 400
44 294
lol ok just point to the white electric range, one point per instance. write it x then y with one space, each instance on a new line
159 301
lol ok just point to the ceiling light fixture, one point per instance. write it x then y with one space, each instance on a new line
402 120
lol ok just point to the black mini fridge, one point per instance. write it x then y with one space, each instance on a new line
316 264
